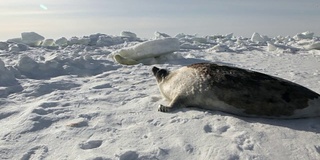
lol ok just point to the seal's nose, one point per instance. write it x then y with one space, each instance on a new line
155 70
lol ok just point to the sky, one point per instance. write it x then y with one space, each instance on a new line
58 18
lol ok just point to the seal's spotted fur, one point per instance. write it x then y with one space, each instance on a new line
235 90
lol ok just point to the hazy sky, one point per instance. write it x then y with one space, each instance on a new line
56 18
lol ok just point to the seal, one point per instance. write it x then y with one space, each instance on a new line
236 91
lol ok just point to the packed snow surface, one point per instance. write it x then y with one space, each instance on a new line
70 99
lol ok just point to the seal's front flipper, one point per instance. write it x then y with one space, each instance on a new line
163 108
176 103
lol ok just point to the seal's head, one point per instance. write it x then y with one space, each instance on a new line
160 74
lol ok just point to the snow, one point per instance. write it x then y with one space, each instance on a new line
69 99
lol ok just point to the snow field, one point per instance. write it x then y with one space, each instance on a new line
73 101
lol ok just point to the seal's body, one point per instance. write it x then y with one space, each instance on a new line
235 90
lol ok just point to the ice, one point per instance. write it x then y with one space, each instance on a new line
81 41
271 47
31 38
188 45
159 35
15 40
213 37
256 37
4 46
105 40
6 77
219 48
81 66
228 36
8 82
27 64
304 35
131 36
145 50
22 47
16 48
62 42
315 45
47 43
200 39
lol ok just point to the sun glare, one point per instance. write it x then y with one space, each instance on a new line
43 7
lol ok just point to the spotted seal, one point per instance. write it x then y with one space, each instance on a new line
236 91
